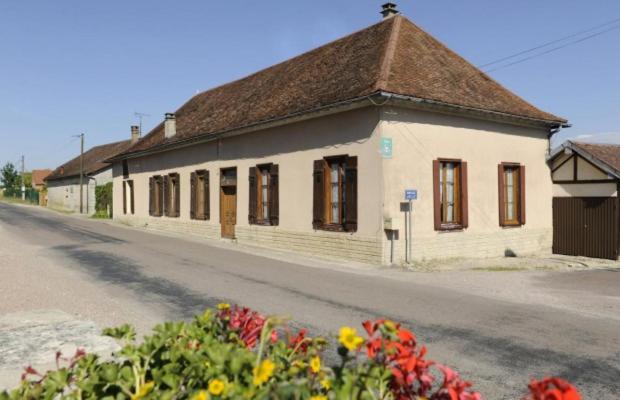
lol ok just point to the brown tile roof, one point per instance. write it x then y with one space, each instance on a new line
39 175
93 161
607 153
392 56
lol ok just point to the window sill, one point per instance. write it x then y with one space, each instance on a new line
331 228
512 225
261 223
451 228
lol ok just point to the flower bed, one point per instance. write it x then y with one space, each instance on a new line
234 352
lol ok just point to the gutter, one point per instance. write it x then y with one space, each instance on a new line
377 99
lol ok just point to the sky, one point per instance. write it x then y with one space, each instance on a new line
72 66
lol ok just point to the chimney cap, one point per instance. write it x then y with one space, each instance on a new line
170 116
389 9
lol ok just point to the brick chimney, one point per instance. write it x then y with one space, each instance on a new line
389 10
170 125
135 133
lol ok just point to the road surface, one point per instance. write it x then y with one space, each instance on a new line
498 329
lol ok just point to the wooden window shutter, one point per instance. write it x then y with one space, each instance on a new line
177 196
192 195
253 200
436 196
166 196
464 202
318 203
131 197
350 224
522 194
151 196
501 194
207 199
125 197
274 195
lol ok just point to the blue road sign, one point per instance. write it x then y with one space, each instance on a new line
411 194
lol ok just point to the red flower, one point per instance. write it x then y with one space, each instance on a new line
552 389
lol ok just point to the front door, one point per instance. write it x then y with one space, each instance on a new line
228 202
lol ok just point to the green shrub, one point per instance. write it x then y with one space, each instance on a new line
103 199
236 353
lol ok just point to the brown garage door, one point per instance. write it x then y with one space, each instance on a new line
585 226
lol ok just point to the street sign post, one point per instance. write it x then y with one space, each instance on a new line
410 195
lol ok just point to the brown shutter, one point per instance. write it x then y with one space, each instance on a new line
318 206
161 196
207 199
253 203
192 196
522 194
274 195
124 197
131 197
351 194
166 196
177 196
464 202
436 196
501 195
151 196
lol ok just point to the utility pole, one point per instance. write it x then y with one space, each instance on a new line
23 185
81 136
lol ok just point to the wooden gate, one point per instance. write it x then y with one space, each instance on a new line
586 226
228 202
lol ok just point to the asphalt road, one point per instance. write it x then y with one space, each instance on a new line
102 271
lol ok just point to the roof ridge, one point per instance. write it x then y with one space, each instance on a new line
388 57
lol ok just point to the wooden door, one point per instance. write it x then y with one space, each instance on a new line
228 210
586 226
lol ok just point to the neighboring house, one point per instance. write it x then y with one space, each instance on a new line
314 155
38 178
586 180
63 184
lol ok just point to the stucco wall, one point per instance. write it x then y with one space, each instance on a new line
294 148
65 194
419 138
585 190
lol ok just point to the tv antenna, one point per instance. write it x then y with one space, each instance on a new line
140 116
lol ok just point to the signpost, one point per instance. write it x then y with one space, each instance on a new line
410 195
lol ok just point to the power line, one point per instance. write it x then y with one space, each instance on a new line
613 21
553 49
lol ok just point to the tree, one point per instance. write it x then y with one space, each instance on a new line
10 177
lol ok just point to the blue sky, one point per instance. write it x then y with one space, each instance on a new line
71 66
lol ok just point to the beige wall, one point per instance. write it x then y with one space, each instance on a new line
294 148
419 138
585 190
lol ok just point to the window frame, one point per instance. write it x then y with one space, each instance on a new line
201 183
518 194
173 196
347 194
460 195
261 169
327 194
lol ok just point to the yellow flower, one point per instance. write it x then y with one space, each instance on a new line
223 306
263 372
202 395
390 325
326 383
299 364
318 397
216 387
349 339
144 390
315 364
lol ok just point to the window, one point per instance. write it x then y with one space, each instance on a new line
450 194
172 195
125 169
264 196
156 196
511 194
128 197
200 202
335 194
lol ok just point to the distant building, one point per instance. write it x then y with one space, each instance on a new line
63 184
38 178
